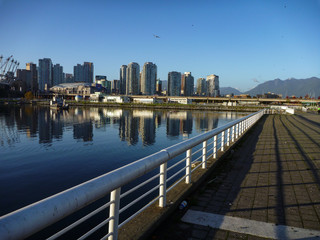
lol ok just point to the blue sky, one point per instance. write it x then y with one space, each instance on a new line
244 42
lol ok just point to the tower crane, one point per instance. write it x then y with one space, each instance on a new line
15 67
4 65
7 69
10 65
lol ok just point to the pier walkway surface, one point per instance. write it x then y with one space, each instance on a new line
267 187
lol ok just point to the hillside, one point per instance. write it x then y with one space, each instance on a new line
229 90
289 87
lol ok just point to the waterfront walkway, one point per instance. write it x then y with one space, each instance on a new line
271 177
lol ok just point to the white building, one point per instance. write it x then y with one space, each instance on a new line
213 89
147 100
73 88
97 97
180 100
116 99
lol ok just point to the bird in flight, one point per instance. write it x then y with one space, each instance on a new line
156 36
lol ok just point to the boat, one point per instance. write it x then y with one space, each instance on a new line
58 102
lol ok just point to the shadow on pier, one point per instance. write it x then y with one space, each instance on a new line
270 176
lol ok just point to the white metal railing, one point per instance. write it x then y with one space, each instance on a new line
35 217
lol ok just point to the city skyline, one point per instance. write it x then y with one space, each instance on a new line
244 43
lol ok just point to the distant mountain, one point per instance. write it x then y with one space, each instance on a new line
289 87
229 90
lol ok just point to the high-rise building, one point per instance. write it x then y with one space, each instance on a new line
88 72
148 78
78 73
123 77
159 87
187 84
58 75
213 86
83 73
69 78
34 76
174 84
45 74
201 87
103 82
25 77
108 86
133 79
115 86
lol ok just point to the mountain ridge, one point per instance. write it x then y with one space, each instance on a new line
289 87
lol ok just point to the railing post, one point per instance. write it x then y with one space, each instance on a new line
241 128
188 166
233 133
228 137
237 130
114 213
222 141
204 154
214 146
163 185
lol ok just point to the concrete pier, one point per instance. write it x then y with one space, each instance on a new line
268 186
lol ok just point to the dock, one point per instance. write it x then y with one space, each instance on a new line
268 187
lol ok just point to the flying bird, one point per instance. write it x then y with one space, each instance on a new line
156 36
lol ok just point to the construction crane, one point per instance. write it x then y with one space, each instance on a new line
4 65
7 69
15 67
12 66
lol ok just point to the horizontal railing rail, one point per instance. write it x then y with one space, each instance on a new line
35 217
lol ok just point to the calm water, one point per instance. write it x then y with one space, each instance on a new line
43 151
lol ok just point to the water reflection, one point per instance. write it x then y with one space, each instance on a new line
44 151
49 125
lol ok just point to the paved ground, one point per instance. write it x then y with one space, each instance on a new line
273 176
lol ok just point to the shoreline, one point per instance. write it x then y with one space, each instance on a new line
162 106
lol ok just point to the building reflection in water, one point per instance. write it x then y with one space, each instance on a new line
48 124
147 126
128 128
83 131
179 122
206 121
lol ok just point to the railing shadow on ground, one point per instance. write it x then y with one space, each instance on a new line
251 143
307 159
281 194
213 184
222 197
308 120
